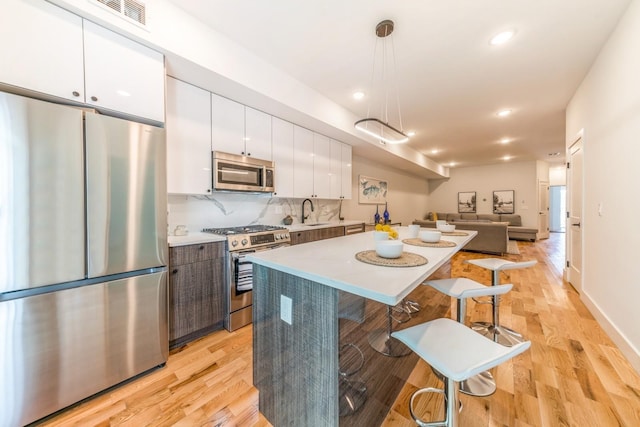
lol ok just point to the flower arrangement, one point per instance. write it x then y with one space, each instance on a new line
393 234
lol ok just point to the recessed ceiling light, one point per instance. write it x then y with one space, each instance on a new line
435 151
502 38
505 158
411 133
504 113
452 164
557 153
505 141
358 95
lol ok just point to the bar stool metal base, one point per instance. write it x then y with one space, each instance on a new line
382 342
353 394
411 306
481 385
500 334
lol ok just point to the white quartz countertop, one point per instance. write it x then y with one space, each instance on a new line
195 238
332 263
321 224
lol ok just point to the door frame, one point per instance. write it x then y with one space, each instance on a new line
576 282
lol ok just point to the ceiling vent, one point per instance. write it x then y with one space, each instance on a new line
130 9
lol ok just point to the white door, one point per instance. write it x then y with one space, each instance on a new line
574 215
321 166
257 135
302 162
283 157
543 210
227 125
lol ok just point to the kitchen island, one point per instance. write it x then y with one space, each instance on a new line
297 334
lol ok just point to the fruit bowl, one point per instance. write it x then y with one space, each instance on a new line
447 228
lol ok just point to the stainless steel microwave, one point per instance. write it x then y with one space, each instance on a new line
242 173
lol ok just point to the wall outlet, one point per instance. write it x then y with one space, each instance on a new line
286 309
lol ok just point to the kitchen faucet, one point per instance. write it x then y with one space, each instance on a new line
303 202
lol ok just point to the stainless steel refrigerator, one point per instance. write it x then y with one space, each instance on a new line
83 253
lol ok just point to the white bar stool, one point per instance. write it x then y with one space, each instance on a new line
462 288
458 353
493 330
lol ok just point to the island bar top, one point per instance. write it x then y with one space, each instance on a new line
332 262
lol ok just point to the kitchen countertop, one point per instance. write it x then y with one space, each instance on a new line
193 238
332 263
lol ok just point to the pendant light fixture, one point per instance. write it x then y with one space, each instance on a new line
379 127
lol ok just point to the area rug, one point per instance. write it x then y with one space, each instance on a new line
512 247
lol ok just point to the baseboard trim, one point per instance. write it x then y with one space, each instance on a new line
627 349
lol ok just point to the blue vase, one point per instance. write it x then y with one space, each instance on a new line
386 214
376 217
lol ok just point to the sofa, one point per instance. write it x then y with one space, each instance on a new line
515 229
492 237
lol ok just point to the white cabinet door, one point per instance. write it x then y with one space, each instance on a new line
335 176
122 75
346 172
257 134
302 162
283 157
188 130
321 166
227 120
41 49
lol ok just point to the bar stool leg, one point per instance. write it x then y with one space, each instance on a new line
382 341
493 331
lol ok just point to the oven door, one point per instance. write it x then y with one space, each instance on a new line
241 278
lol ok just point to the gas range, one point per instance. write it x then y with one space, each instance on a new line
252 236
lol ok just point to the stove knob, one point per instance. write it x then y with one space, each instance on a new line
244 242
278 236
234 243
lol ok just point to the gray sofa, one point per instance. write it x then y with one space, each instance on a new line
515 228
492 237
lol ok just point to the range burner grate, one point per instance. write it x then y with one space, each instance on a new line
248 229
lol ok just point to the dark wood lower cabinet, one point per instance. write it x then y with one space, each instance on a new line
298 237
196 291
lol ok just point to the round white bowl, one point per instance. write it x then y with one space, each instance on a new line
380 235
447 228
430 236
389 248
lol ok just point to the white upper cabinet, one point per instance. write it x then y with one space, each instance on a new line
302 162
283 157
347 177
335 177
122 75
46 55
227 120
321 166
60 54
188 129
257 134
240 130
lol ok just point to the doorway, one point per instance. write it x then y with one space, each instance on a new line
558 208
574 217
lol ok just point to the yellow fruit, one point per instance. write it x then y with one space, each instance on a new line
378 227
386 228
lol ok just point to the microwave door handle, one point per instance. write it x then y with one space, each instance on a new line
264 177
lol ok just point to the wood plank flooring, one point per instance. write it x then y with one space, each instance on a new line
573 375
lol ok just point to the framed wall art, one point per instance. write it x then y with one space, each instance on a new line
503 202
372 190
467 202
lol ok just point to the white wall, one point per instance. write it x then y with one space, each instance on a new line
407 198
558 175
607 106
518 176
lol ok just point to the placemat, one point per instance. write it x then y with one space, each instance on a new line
455 233
406 259
439 244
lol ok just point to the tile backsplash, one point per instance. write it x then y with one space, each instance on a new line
237 209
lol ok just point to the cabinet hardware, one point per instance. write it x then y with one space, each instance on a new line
201 247
174 271
94 98
75 93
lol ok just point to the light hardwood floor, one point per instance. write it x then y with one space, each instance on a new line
573 375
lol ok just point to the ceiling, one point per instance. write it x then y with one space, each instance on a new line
451 80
